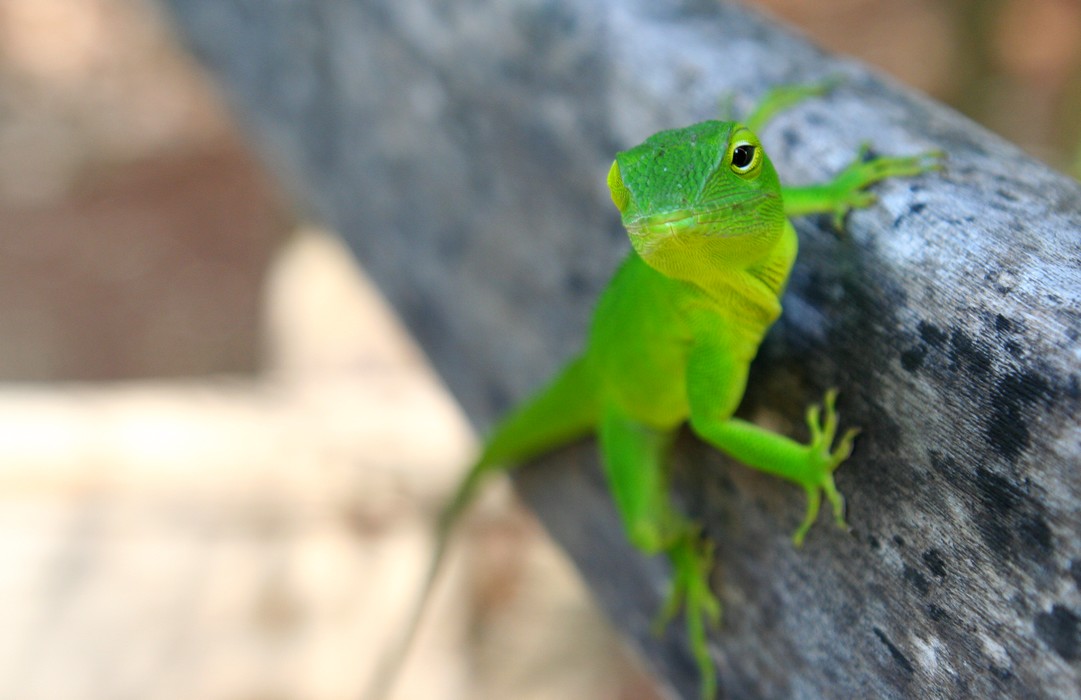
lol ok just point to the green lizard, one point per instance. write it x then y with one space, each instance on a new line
672 338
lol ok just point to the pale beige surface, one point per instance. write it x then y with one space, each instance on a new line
262 538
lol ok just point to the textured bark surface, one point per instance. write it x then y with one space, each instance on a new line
461 148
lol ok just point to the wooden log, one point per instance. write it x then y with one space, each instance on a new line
461 149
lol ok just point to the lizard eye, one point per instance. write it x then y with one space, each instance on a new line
744 158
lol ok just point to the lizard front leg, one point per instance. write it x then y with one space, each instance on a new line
715 386
847 191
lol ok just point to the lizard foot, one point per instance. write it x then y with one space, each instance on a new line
692 561
864 171
824 459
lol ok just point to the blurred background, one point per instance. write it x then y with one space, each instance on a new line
220 454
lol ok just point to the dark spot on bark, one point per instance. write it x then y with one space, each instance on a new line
1014 348
1060 629
900 658
1007 431
954 221
934 562
1003 324
965 354
913 210
816 291
1008 196
999 495
875 301
1073 388
577 283
791 138
1075 572
875 544
1007 426
943 463
1012 524
1036 534
899 541
931 334
937 614
912 359
916 580
1002 674
999 498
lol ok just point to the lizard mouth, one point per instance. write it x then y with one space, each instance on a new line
729 219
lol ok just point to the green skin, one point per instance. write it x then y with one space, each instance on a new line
673 336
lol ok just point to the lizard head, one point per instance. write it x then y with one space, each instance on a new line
703 193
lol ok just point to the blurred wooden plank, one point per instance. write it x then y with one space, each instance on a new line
461 150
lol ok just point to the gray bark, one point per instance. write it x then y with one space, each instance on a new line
461 148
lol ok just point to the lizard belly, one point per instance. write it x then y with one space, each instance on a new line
639 344
652 393
644 375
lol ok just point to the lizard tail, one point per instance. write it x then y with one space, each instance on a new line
387 672
564 411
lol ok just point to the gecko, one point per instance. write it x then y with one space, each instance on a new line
671 341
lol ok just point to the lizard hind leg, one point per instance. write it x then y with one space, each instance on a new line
781 97
634 462
563 411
